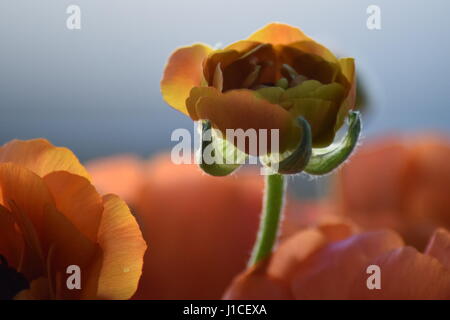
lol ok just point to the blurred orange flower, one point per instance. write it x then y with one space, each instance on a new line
201 228
264 82
331 263
398 183
52 217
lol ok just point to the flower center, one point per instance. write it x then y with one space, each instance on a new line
11 281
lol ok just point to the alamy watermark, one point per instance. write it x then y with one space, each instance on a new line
237 146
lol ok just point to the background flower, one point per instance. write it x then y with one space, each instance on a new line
264 82
331 263
200 228
51 217
398 182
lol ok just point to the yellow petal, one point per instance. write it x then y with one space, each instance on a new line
77 199
123 250
241 109
278 33
195 94
321 115
347 66
183 71
41 157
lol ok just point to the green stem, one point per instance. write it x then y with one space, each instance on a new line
270 220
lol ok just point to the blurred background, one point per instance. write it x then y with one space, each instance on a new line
96 90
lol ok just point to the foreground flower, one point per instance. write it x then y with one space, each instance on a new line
201 228
276 81
264 82
400 183
331 263
51 217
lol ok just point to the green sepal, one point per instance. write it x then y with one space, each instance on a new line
221 150
325 160
295 161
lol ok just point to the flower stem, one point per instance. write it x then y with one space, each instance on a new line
270 220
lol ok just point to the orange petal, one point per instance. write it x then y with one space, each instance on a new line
183 71
278 33
294 250
255 284
71 246
439 247
406 274
26 190
195 95
331 272
41 157
123 250
242 46
241 109
11 243
77 199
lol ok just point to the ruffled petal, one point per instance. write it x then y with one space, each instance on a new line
183 71
255 284
241 109
439 247
195 95
41 157
123 250
278 33
26 190
78 200
406 274
11 243
332 271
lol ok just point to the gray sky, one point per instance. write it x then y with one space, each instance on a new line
96 90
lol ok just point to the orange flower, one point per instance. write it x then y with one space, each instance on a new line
201 228
398 183
264 82
52 217
331 263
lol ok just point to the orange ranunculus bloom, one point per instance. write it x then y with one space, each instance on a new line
331 263
201 228
52 217
264 82
398 183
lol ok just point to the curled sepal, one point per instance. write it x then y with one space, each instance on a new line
216 156
295 161
326 160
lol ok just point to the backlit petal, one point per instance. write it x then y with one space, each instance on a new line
41 157
123 250
278 33
77 199
183 71
439 247
241 109
406 274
